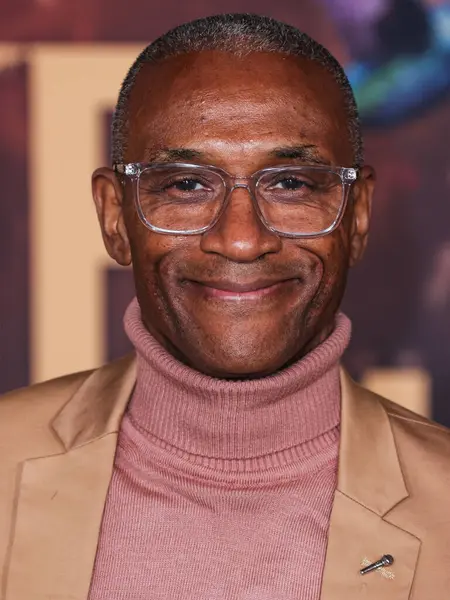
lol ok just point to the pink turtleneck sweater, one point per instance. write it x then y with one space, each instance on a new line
221 490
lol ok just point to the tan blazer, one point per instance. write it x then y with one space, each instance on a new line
57 445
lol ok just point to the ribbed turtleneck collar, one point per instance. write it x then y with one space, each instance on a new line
235 420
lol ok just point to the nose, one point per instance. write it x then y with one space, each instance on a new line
239 234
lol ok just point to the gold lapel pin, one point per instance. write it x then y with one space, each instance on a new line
385 561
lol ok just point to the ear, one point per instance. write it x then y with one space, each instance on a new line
362 207
108 196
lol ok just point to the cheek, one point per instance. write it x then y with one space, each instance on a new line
331 253
148 252
145 256
148 249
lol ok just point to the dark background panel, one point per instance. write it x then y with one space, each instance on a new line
14 287
120 287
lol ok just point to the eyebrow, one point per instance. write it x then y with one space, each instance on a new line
172 155
307 153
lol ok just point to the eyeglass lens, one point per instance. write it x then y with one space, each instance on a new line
291 200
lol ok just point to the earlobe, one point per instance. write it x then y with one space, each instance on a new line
362 208
108 197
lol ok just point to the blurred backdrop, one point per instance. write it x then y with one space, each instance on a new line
61 64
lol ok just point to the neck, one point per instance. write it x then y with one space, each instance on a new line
235 420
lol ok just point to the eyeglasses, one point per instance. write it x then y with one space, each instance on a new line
187 199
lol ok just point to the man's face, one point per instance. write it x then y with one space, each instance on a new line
239 300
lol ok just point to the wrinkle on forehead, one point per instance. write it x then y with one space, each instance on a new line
236 99
201 80
190 105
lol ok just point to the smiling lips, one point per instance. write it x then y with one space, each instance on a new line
232 290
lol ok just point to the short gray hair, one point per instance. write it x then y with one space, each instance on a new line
237 34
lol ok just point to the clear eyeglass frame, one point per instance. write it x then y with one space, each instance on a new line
132 171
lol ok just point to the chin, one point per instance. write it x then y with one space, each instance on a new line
236 350
240 364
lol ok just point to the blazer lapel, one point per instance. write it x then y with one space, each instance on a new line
61 497
370 484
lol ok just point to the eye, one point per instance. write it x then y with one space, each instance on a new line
289 183
186 185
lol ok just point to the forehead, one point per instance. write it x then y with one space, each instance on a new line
219 102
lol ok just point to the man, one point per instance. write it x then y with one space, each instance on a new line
231 459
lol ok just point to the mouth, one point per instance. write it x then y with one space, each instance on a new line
235 291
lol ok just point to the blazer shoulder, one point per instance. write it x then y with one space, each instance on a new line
425 434
45 399
400 414
394 410
28 416
417 433
421 443
397 411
